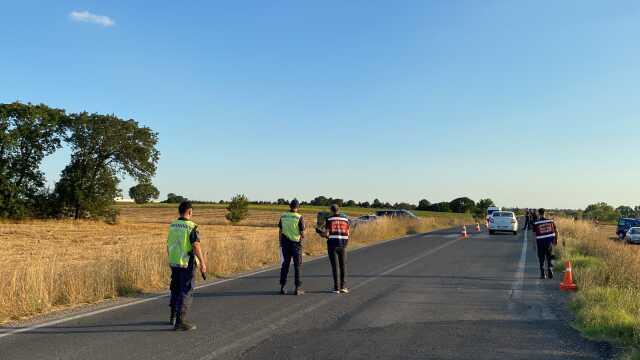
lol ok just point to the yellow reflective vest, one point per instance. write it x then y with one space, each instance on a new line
179 242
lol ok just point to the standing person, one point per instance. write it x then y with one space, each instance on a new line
183 247
337 234
291 234
546 238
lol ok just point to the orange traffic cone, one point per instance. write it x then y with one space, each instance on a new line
567 283
463 233
478 227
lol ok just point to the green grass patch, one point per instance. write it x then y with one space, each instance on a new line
606 313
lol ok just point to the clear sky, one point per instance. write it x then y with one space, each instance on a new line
529 103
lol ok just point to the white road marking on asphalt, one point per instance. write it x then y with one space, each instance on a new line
516 288
263 333
165 294
537 310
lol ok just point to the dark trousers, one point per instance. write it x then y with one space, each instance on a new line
544 253
182 285
290 250
338 257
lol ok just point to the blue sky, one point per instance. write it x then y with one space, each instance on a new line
530 103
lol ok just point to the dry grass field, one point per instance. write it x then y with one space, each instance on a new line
57 264
607 271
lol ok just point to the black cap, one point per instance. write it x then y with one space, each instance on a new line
294 204
334 208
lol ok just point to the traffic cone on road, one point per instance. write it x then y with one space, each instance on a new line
463 233
567 283
478 227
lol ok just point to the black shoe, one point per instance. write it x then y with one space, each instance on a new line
172 317
542 274
550 274
184 326
299 291
282 291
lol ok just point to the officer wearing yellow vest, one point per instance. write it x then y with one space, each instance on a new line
183 247
291 227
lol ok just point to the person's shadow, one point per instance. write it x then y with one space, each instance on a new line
144 326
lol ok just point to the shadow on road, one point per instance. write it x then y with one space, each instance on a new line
134 327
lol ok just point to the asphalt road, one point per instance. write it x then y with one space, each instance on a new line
429 296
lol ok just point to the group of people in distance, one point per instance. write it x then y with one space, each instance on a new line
185 255
546 238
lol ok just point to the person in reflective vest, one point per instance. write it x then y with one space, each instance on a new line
337 234
291 235
183 247
546 237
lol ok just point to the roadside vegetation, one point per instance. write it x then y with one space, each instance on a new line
607 271
63 263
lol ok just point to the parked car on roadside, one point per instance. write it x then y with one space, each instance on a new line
396 213
633 235
363 220
624 224
503 221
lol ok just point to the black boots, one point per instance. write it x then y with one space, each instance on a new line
172 317
546 274
183 325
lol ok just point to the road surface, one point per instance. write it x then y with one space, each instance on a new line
429 296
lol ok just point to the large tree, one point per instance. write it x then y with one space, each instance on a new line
104 148
481 207
600 211
424 204
626 211
28 133
462 205
143 193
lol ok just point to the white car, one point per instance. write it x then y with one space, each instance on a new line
633 236
503 221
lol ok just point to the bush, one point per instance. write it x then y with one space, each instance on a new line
238 209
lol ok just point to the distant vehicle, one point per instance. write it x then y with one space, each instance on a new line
491 210
624 224
363 220
633 235
503 221
396 213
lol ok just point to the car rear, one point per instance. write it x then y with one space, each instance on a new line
503 221
633 235
624 224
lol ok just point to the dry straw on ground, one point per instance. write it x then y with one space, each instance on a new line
607 272
57 264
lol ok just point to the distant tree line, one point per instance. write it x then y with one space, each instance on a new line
604 212
458 205
103 149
